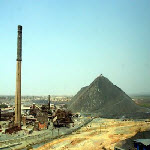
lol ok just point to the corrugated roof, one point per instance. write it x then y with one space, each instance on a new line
145 142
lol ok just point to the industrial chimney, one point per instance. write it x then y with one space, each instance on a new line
18 79
49 102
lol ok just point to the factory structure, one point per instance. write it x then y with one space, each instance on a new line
38 116
21 124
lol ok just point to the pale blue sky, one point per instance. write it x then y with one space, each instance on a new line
68 43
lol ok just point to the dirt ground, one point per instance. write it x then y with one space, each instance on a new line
98 135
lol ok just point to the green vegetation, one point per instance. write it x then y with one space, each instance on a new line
3 106
144 105
142 100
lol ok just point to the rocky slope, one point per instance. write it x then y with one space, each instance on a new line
103 98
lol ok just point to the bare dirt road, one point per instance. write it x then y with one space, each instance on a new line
98 135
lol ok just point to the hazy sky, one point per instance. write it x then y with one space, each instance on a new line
68 43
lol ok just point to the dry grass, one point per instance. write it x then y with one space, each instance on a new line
90 137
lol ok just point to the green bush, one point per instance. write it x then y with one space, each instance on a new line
3 106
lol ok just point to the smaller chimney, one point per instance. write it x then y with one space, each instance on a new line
49 102
33 106
0 114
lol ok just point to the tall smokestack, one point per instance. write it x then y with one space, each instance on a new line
49 102
18 79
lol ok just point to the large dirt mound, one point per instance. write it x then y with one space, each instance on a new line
103 98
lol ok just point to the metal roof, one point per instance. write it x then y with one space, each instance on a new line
145 142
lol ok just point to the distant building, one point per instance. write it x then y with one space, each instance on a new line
25 110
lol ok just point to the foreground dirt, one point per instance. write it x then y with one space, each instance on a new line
97 135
